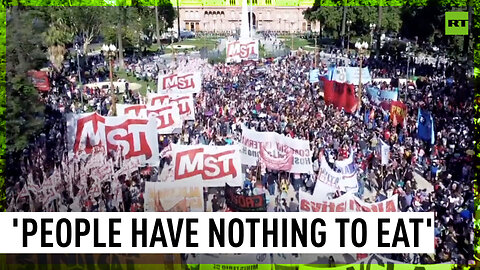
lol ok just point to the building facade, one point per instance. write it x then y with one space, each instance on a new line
225 15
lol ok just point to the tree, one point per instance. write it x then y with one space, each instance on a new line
56 38
84 22
24 52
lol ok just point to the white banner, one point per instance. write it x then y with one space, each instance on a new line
328 181
240 50
168 116
351 75
180 83
275 149
135 110
136 137
205 165
348 170
345 203
185 103
173 197
384 151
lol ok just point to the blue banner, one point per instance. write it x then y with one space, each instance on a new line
376 95
425 126
314 74
353 75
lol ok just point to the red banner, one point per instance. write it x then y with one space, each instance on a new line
136 138
340 95
398 112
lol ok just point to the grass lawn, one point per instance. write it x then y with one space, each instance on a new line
131 79
298 42
199 43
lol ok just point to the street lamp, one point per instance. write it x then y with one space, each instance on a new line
372 27
110 52
77 48
408 57
349 22
361 47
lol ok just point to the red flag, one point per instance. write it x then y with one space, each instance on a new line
398 112
340 95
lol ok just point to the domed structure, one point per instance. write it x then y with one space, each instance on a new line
225 15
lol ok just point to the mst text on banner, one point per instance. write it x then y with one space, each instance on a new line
180 83
184 102
241 50
136 137
207 165
167 116
276 151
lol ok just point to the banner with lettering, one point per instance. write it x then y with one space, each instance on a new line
398 112
173 197
207 165
168 116
240 50
180 83
276 151
136 137
235 267
377 262
242 203
330 181
345 203
185 103
348 169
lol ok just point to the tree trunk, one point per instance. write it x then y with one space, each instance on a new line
379 29
120 36
157 28
344 18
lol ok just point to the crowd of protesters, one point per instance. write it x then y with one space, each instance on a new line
276 95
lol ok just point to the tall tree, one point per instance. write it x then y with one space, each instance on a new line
24 52
84 22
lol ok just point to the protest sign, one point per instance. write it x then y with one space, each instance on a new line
240 50
136 137
345 203
242 203
377 262
180 83
184 102
275 150
173 197
207 165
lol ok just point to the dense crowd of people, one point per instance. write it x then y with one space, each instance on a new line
276 95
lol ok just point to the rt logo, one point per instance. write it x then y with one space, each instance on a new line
456 23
